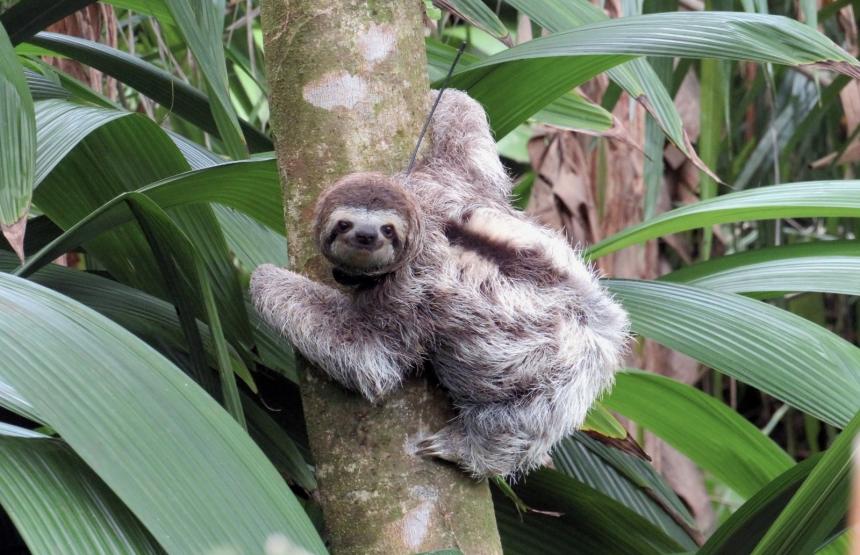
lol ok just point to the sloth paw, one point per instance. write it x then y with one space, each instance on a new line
437 446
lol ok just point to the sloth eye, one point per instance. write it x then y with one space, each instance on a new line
343 225
387 231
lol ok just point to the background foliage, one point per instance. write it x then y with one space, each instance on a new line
706 156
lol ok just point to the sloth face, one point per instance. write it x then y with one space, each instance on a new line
363 241
367 224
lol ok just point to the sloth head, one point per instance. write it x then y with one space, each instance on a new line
367 224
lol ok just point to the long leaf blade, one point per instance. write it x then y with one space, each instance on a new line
150 318
820 503
711 434
28 17
778 352
129 151
201 23
544 68
17 146
628 480
570 111
149 432
251 188
747 525
159 85
154 8
588 525
478 14
820 266
58 504
178 259
814 198
636 77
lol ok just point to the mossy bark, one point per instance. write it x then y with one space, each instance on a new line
348 93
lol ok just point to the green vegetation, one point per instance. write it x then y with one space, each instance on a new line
144 407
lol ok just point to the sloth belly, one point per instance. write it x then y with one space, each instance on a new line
503 340
507 309
487 353
471 378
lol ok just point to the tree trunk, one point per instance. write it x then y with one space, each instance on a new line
348 93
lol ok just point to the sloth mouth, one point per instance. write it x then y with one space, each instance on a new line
365 247
363 264
363 259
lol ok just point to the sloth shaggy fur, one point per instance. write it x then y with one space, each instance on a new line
517 328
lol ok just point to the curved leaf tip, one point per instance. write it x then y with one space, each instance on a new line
14 234
846 68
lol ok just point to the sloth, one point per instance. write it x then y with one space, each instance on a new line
436 266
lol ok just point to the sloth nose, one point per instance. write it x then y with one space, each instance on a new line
365 236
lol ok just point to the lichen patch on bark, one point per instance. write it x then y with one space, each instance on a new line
336 89
376 43
416 524
361 495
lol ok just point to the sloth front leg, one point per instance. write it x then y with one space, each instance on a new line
463 145
324 326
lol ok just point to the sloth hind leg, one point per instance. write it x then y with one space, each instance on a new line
500 439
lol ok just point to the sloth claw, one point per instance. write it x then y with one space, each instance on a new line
434 446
